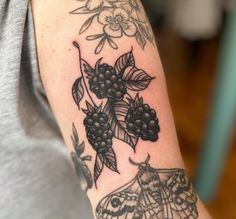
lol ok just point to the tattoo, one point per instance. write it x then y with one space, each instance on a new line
81 167
117 18
153 193
123 117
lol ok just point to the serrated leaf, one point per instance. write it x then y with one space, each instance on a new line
87 24
140 40
117 112
78 91
98 167
136 79
109 159
123 62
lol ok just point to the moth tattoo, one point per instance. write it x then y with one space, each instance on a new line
81 167
113 107
152 194
117 18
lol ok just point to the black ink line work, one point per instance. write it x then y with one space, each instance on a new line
81 167
117 18
122 116
152 194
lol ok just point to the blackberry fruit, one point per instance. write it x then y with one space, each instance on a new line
105 83
98 130
141 120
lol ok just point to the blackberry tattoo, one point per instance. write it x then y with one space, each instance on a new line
121 114
142 121
106 83
153 193
98 129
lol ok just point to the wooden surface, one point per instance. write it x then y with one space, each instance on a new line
190 74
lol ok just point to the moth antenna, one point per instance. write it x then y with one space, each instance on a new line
133 162
147 159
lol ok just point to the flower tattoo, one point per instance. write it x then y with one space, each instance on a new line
116 23
135 9
117 19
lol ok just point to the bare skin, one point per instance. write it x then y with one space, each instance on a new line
60 66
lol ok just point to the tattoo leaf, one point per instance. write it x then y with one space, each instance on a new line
87 69
146 31
136 79
112 43
79 148
100 45
98 167
117 112
124 61
82 10
81 167
75 134
109 159
78 91
94 37
140 39
87 24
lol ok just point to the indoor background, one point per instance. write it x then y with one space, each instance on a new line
196 41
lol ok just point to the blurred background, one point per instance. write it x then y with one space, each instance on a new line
196 41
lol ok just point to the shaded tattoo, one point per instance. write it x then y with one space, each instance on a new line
81 167
152 194
120 115
118 19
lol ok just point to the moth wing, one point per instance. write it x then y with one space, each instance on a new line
149 206
121 204
180 197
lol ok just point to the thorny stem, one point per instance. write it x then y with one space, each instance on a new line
86 88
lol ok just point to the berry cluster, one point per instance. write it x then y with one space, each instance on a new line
98 131
105 83
142 121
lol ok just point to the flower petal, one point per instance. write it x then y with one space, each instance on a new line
129 28
105 17
93 4
112 32
122 13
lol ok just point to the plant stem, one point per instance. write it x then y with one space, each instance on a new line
82 74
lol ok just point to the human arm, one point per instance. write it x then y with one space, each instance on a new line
127 125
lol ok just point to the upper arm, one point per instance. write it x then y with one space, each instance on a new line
102 72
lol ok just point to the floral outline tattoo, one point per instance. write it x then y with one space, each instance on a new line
122 113
117 19
152 193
